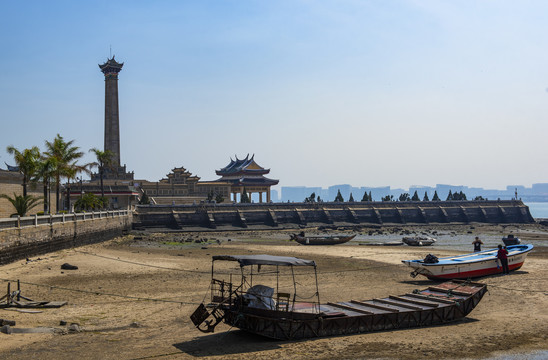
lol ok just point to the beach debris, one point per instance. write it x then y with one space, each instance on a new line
7 322
6 329
67 266
13 299
36 330
74 327
26 311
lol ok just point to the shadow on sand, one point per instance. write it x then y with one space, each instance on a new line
227 343
426 282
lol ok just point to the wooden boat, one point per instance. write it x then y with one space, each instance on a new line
511 240
388 243
321 240
419 241
272 312
466 266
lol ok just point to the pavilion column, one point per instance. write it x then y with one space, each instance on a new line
260 196
268 196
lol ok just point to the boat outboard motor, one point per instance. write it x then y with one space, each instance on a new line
430 259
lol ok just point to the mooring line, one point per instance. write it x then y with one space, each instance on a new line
98 293
141 264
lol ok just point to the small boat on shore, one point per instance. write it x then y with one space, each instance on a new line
466 266
419 240
511 240
321 240
275 312
388 243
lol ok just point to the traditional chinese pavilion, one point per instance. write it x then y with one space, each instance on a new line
246 174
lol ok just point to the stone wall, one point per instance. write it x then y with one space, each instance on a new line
33 237
298 214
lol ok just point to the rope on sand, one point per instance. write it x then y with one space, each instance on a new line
98 293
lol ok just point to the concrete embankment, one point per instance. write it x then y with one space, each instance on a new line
240 216
21 238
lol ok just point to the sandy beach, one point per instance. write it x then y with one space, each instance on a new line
132 297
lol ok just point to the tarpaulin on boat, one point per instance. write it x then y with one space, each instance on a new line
246 260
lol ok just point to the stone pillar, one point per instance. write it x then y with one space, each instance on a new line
268 196
112 120
260 196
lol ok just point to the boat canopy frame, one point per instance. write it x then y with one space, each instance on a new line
260 260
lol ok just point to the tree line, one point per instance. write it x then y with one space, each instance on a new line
403 197
59 162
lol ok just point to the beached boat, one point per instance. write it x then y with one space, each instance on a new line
321 240
466 266
419 241
388 243
511 240
276 313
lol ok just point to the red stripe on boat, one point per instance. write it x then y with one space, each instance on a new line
475 273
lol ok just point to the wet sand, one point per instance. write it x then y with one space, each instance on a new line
110 298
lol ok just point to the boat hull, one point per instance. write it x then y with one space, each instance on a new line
420 241
430 307
460 268
318 240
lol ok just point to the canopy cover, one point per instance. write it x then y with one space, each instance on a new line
246 260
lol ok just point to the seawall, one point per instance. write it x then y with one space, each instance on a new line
21 238
241 216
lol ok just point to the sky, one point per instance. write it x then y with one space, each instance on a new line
368 93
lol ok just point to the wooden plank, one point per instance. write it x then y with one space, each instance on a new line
376 306
350 308
422 303
412 307
448 291
431 298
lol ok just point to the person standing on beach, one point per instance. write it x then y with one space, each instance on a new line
502 255
477 244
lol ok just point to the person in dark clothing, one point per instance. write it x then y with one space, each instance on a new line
502 255
477 244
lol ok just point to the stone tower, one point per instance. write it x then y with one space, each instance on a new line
112 120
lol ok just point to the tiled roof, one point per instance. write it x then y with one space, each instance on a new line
247 165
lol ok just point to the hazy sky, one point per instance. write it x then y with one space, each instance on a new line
367 93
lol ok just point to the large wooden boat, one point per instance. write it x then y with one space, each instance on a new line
321 240
466 266
272 312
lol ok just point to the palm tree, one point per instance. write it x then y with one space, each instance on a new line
65 156
44 172
22 203
104 160
71 173
26 161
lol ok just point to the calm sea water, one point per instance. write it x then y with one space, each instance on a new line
539 210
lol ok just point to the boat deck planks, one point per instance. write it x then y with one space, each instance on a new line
414 301
373 305
399 304
350 310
